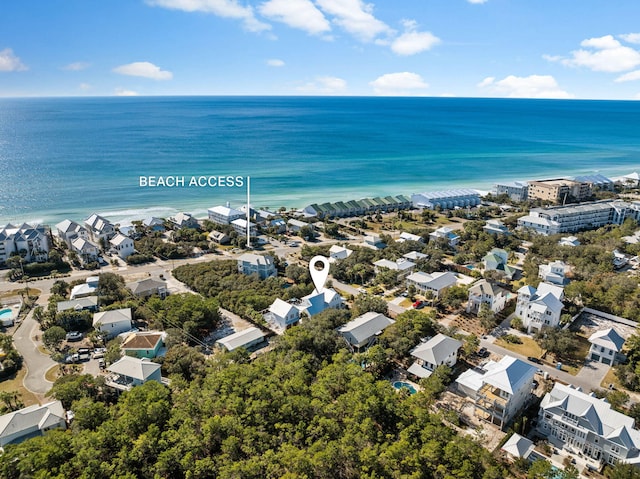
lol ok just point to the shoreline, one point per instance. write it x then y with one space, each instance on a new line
198 208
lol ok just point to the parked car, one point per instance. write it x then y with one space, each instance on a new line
418 304
98 353
483 353
74 336
534 360
101 363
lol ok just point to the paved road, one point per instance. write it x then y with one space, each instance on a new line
37 363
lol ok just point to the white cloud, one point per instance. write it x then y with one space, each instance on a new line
355 17
412 41
274 62
533 86
124 92
631 76
9 62
300 14
144 69
399 84
630 37
85 87
477 1
76 67
324 85
605 54
220 8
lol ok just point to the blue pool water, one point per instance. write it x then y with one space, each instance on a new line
401 384
6 313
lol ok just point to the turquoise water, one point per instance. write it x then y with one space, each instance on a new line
69 157
6 313
401 384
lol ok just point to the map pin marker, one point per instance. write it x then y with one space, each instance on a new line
319 276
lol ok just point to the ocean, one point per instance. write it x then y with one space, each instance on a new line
70 157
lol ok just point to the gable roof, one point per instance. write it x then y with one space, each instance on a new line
256 259
437 349
135 368
241 338
119 238
366 326
608 338
78 304
27 418
281 308
484 287
144 340
113 316
144 285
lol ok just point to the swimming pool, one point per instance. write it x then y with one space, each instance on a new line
401 384
6 314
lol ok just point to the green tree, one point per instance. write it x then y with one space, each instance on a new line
540 469
53 337
365 303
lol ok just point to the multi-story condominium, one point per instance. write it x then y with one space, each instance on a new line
499 390
559 190
69 230
446 200
597 181
583 424
262 265
223 215
553 272
569 219
100 229
488 293
30 242
540 308
516 190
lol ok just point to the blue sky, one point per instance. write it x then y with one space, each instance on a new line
480 48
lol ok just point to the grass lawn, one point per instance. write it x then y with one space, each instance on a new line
15 384
16 292
52 373
610 378
528 347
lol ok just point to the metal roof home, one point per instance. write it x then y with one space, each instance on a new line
362 331
31 421
242 339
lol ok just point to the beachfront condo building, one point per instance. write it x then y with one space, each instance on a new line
446 200
585 425
30 242
223 215
515 190
560 190
587 216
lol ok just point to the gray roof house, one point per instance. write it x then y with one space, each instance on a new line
128 371
148 287
31 421
581 423
113 322
605 346
363 331
242 339
435 352
89 303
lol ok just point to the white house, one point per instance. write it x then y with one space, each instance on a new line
518 447
373 241
435 352
404 236
68 230
240 226
123 245
435 282
32 242
553 272
223 215
499 390
401 266
262 265
362 332
31 421
128 371
87 251
605 346
295 226
495 227
88 288
242 339
569 241
445 233
99 228
582 424
282 314
415 256
488 293
540 307
337 252
113 322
